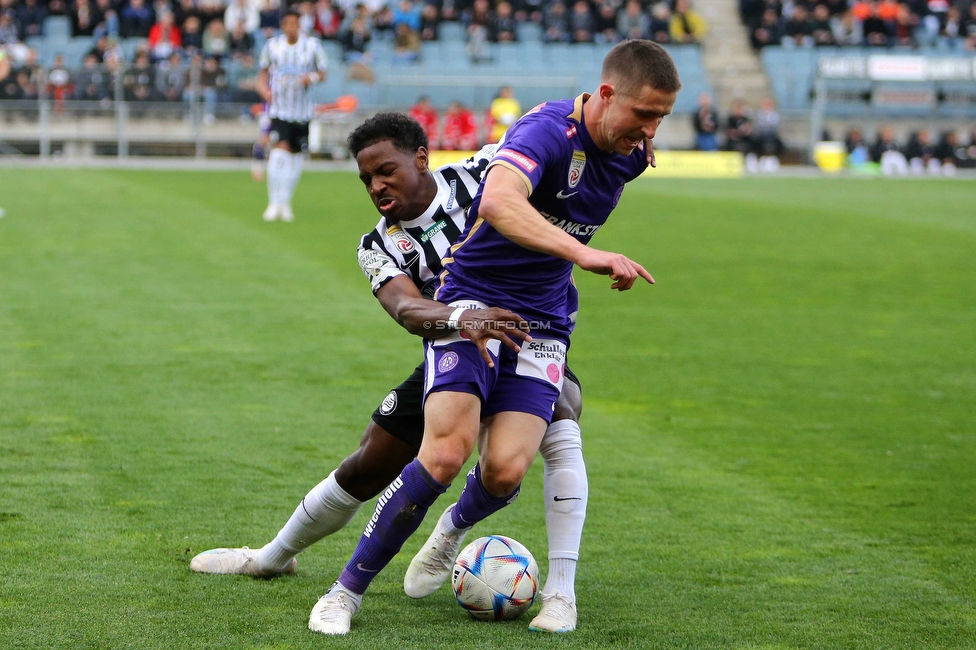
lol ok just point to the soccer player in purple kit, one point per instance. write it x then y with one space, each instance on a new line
551 185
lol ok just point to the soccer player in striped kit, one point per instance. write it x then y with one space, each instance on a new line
290 63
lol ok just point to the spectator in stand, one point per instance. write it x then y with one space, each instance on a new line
876 32
184 9
451 9
429 19
216 40
555 22
481 26
581 22
164 38
799 28
109 22
632 22
888 11
23 87
30 19
769 31
242 12
705 123
84 18
408 13
355 41
426 115
171 78
91 81
505 24
192 38
857 148
137 19
9 33
687 26
242 82
270 16
847 29
768 145
821 29
659 29
460 129
738 129
241 42
406 44
530 10
503 113
605 23
328 19
383 22
213 85
968 29
306 18
4 67
59 85
138 82
103 49
952 29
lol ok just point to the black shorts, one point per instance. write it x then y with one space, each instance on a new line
401 413
294 133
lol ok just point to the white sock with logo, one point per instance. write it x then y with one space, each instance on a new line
566 491
293 171
277 161
326 509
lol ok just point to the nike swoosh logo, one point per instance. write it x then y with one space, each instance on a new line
567 498
359 565
560 195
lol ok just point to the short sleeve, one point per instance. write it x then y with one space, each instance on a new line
378 267
264 61
321 59
528 147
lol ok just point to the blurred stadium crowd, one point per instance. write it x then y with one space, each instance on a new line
947 24
918 154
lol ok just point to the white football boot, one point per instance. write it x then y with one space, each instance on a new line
558 614
241 561
333 613
432 566
272 212
285 213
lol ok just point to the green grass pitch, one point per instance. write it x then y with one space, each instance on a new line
781 435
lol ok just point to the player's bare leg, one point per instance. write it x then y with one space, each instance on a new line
327 508
450 432
510 443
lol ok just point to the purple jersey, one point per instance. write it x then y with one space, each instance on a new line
573 184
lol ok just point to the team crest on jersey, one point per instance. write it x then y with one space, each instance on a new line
389 403
576 166
403 242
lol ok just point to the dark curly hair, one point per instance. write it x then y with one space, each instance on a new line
403 131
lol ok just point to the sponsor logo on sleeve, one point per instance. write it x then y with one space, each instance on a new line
453 195
571 131
524 162
576 166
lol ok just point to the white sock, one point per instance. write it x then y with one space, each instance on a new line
323 511
277 162
566 491
293 171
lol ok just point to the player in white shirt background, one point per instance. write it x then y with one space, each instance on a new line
290 63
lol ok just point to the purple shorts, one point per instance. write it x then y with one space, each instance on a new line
528 382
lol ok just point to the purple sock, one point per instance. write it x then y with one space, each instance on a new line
475 503
399 511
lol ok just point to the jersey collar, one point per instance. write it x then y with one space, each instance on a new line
577 114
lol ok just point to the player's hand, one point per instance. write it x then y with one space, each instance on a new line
649 152
482 325
623 271
265 93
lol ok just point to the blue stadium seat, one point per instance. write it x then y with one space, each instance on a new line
368 94
130 46
557 56
450 30
508 56
531 52
529 32
57 28
77 48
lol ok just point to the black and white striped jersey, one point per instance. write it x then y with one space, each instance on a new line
415 248
286 65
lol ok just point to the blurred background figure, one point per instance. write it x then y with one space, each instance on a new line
768 145
460 129
705 122
425 113
502 114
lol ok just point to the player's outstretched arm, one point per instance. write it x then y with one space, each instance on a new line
433 320
505 205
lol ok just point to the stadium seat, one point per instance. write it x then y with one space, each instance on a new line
450 30
77 48
130 46
529 32
508 57
57 28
